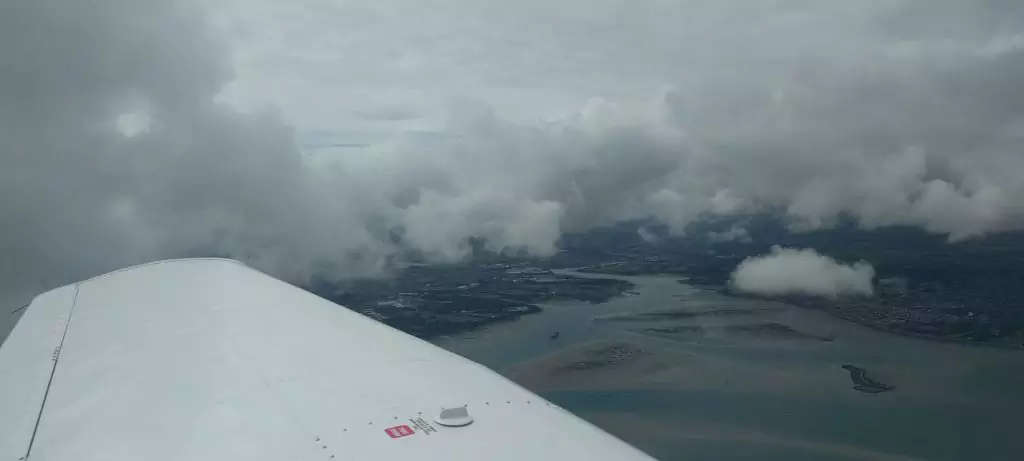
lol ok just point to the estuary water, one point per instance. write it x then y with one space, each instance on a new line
688 374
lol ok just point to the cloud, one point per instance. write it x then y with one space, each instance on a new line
899 113
733 234
81 196
787 271
133 130
387 114
647 235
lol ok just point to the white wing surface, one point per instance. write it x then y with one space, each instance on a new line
206 359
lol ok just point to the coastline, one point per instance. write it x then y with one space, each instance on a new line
724 291
767 380
870 325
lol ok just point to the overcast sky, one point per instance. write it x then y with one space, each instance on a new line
288 133
898 112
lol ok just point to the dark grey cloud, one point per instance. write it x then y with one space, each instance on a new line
532 118
79 197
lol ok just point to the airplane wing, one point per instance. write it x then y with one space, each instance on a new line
207 359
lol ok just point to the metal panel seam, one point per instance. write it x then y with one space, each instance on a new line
56 359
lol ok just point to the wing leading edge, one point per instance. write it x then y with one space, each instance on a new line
202 359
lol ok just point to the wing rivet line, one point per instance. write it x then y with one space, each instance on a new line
53 371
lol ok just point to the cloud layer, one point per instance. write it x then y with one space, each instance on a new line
121 138
788 271
894 113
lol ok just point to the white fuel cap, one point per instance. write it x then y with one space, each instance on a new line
453 417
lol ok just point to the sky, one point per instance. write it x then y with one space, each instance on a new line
896 112
329 136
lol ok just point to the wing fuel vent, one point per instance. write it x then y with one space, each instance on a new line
454 417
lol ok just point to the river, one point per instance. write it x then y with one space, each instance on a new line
764 382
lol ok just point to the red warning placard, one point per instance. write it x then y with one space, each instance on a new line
399 431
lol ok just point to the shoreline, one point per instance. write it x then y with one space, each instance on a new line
873 326
722 290
758 378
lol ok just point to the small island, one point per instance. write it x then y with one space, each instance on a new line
865 384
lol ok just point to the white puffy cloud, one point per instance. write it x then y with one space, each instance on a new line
787 271
735 233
